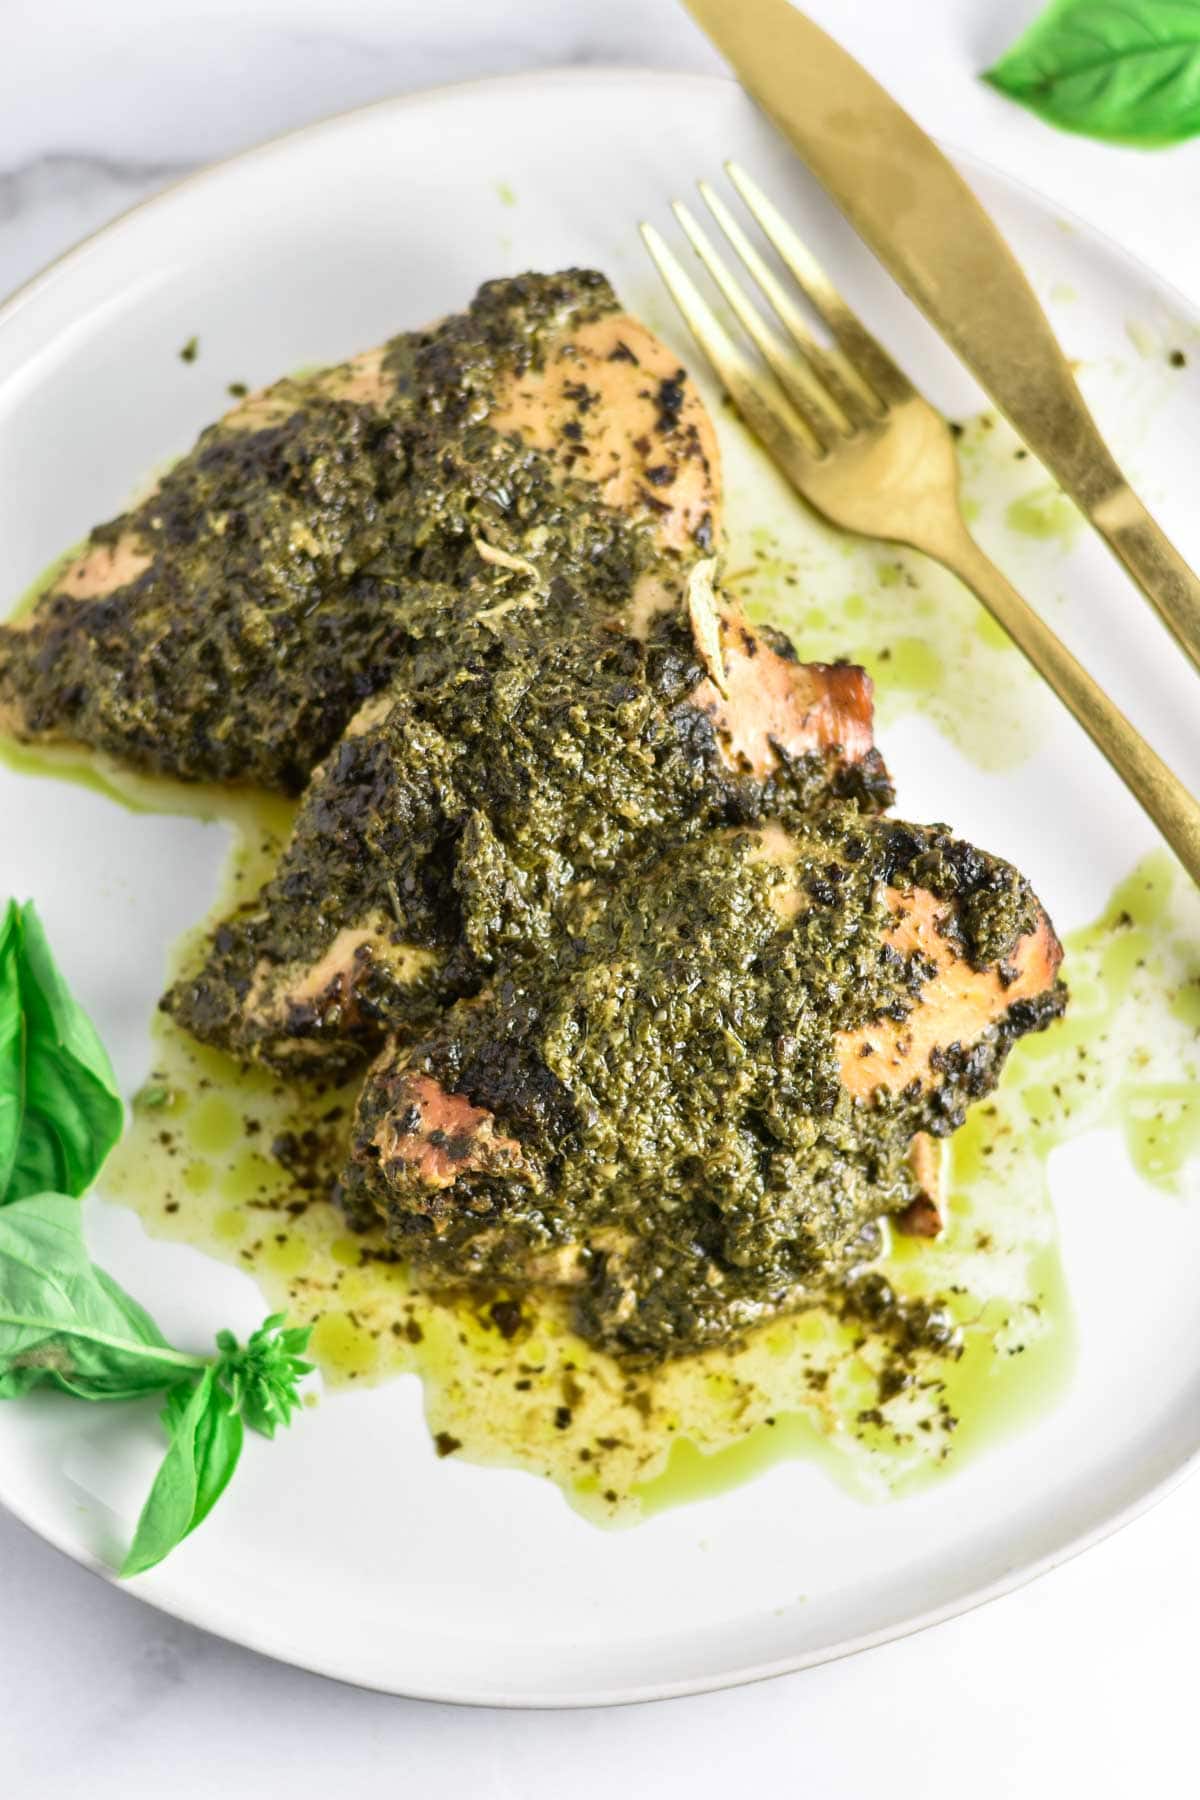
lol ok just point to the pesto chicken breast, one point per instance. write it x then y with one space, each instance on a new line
476 818
694 1115
228 626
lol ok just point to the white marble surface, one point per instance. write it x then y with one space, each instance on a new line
1081 1684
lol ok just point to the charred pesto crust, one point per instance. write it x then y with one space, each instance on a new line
671 1075
514 776
292 563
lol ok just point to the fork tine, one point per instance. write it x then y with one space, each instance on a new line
801 387
845 392
763 405
866 355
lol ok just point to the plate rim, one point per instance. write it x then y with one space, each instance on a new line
1012 1580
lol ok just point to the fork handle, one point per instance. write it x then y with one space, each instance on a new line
1160 793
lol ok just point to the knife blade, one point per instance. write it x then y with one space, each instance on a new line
910 205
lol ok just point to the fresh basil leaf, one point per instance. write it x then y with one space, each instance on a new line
219 1438
217 1423
66 1324
1124 70
206 1442
253 1384
60 1112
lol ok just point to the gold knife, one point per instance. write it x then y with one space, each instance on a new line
925 225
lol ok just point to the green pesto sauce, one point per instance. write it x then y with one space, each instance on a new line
484 745
240 651
100 774
687 1029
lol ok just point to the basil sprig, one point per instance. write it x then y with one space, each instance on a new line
60 1112
251 1385
205 1443
1124 70
64 1322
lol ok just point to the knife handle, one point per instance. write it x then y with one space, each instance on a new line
1171 587
1160 793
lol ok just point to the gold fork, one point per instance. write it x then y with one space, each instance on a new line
863 447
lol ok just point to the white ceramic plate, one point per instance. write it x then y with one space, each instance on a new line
347 1547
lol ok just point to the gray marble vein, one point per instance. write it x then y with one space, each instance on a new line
49 201
65 174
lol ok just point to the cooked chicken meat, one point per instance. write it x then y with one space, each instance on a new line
229 626
466 823
695 1112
